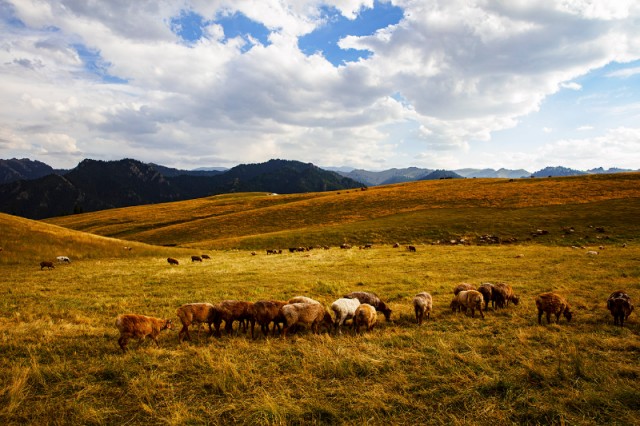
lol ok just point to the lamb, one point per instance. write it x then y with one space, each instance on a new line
139 327
344 309
365 316
302 299
46 264
487 293
422 305
195 313
372 300
471 299
620 306
504 294
234 310
312 314
267 311
462 287
552 303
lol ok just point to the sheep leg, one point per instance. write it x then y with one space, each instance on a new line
122 341
481 313
183 331
540 316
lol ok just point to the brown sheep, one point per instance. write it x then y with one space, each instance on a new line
234 310
46 264
487 293
411 248
139 327
471 299
172 261
552 303
195 313
504 294
620 306
206 256
463 287
373 300
365 316
312 314
196 259
267 311
422 305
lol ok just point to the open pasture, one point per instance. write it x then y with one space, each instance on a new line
61 363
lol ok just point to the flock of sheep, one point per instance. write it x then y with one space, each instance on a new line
359 307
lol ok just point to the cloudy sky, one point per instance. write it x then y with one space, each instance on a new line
360 83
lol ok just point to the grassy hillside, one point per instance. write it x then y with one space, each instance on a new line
415 212
61 363
29 242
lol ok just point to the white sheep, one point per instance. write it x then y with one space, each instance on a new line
422 304
344 309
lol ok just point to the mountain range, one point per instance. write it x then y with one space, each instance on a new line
35 190
97 185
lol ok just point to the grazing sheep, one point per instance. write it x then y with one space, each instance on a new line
267 311
462 287
345 246
372 300
302 299
396 245
312 314
487 293
344 309
411 248
455 305
620 306
234 310
503 294
139 327
172 261
592 253
552 303
205 256
63 259
196 259
422 305
195 313
46 264
365 316
471 299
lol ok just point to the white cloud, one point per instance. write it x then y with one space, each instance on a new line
625 73
463 70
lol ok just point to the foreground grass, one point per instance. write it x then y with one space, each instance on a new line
61 362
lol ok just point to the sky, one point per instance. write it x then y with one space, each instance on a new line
439 84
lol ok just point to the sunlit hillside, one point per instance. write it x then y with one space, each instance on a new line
415 212
29 241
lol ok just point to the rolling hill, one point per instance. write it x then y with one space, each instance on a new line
425 211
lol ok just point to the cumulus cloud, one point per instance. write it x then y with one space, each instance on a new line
450 72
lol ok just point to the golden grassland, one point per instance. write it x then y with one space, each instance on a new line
61 361
415 212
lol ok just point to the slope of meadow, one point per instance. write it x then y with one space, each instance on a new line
416 212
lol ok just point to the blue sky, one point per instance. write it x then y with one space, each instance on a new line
367 84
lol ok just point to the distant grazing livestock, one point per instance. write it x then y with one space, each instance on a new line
411 248
266 312
172 261
196 259
312 314
396 245
206 256
195 313
63 259
592 253
127 248
372 300
552 303
345 246
368 246
471 299
455 305
302 299
463 287
422 305
139 327
365 316
503 294
487 294
234 310
344 309
620 306
46 264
